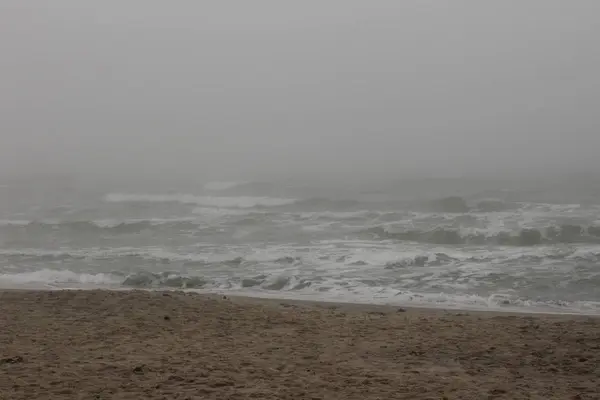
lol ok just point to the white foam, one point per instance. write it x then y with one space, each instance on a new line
325 290
52 277
207 201
588 252
361 294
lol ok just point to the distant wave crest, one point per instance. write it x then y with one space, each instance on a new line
219 186
99 226
524 237
325 204
206 201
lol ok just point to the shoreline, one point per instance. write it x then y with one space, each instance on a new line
365 307
276 297
107 344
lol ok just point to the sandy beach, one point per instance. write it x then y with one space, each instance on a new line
173 345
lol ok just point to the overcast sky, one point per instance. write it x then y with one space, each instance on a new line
246 89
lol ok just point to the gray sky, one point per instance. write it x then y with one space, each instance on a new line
240 89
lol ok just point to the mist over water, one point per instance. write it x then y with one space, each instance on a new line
412 152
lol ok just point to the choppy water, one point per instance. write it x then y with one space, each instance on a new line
524 248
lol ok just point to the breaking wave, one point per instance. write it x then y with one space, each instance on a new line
263 239
149 280
566 234
358 261
50 277
207 201
239 202
460 205
294 287
99 226
149 255
219 186
321 203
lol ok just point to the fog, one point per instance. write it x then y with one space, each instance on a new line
273 89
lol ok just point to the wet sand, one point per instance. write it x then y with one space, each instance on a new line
157 345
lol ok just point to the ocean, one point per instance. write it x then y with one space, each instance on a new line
455 244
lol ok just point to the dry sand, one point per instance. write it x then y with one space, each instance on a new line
152 345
